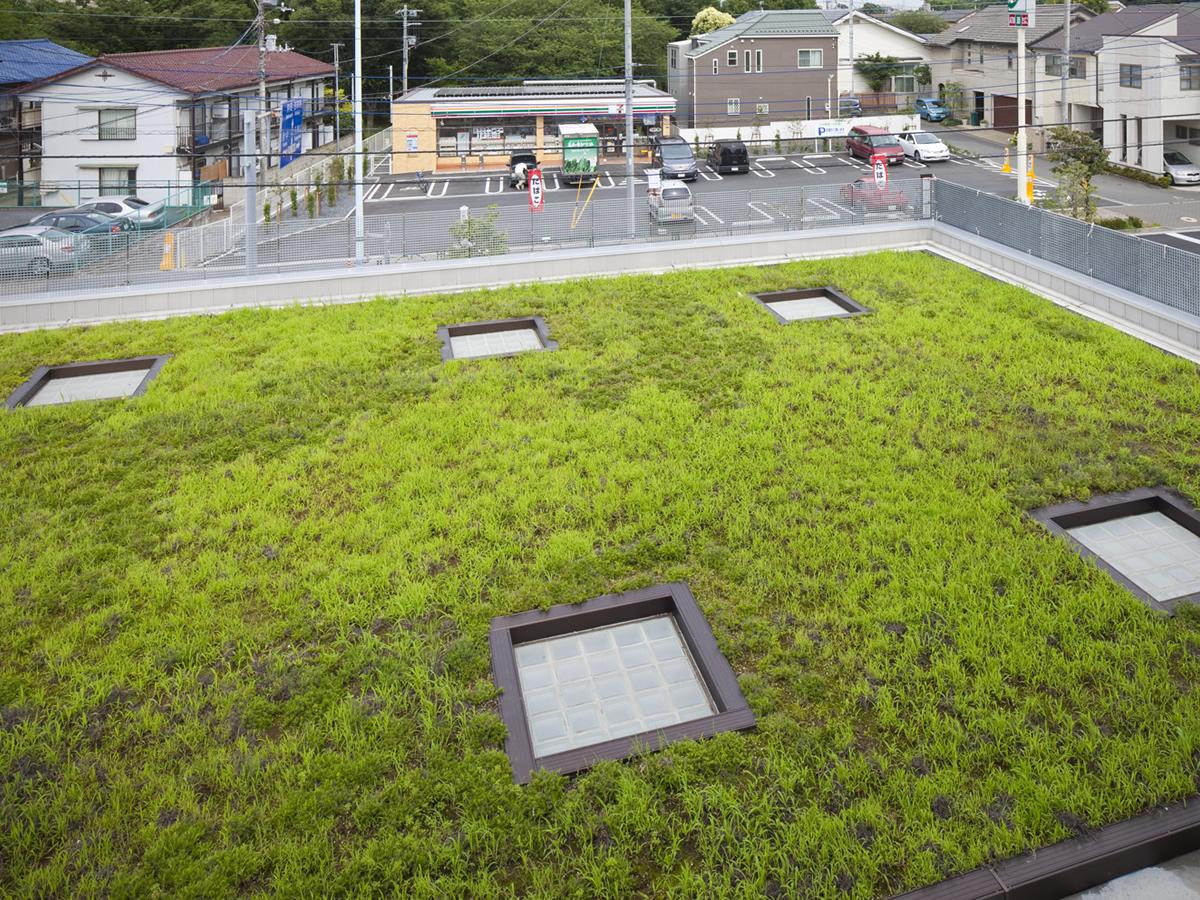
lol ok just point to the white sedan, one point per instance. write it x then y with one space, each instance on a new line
923 146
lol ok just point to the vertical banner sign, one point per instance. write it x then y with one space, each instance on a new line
291 131
879 166
1021 13
536 197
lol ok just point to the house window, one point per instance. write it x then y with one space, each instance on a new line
116 124
1078 66
757 60
733 106
120 181
1011 58
808 107
731 59
1131 76
905 82
808 59
1124 137
746 66
715 67
1189 78
674 57
762 109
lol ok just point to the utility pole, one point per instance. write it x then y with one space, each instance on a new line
1022 166
1066 68
359 231
408 17
249 170
337 97
264 142
629 194
833 113
391 95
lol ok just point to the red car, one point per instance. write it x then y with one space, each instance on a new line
865 193
867 140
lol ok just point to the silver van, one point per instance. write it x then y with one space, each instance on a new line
671 203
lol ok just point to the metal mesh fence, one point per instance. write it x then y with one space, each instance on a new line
1166 274
217 250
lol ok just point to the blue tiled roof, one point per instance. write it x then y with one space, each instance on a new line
34 59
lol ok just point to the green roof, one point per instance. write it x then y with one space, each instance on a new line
767 23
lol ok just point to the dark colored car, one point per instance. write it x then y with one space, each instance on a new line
867 140
529 159
78 221
673 157
865 194
728 156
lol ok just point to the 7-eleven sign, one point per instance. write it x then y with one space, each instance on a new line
536 190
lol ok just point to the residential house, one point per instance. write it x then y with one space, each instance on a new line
21 120
770 65
1134 81
862 35
978 53
161 121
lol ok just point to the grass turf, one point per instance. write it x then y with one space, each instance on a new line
243 618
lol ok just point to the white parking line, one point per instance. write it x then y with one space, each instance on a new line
761 172
808 167
709 212
819 156
710 174
763 159
822 204
433 189
604 175
696 215
913 164
1184 237
958 160
487 186
767 217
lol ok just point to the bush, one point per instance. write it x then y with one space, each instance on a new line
1121 223
310 203
479 236
267 212
950 120
1138 175
293 198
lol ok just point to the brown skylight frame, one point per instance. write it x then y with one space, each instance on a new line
1104 507
42 375
850 307
674 599
537 323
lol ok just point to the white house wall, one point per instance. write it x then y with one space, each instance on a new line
871 37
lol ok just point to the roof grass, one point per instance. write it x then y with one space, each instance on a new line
243 618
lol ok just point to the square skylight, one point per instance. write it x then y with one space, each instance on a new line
596 680
101 380
504 337
807 304
1149 540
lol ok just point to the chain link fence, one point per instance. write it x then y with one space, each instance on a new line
1166 274
295 242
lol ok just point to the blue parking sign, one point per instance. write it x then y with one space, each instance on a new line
291 131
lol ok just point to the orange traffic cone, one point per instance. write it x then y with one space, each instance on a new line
1006 168
168 254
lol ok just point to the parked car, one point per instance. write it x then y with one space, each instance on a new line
529 160
671 203
79 221
37 250
864 193
673 157
142 213
931 109
923 146
1180 169
846 107
728 156
867 140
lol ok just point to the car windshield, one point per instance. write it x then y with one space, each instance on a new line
934 104
923 138
676 194
884 140
675 152
1176 159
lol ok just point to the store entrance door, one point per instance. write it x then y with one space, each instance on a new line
462 142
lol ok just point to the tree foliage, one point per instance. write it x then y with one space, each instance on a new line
877 69
710 19
1078 159
919 21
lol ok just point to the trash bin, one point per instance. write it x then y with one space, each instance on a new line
976 117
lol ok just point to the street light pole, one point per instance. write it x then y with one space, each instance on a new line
359 232
264 142
407 43
1066 68
629 193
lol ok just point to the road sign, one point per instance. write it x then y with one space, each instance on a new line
291 131
1021 13
536 195
879 166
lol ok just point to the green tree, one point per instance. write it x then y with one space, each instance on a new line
1078 159
877 70
479 236
710 19
923 74
919 21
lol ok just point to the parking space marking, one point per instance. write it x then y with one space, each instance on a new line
696 215
487 186
710 174
761 172
709 212
752 206
913 164
808 167
433 189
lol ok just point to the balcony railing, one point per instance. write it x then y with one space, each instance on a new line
117 132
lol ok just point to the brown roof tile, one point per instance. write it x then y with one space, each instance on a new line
199 71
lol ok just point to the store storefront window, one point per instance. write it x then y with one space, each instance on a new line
487 137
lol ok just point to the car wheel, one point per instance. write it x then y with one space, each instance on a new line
916 156
40 267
